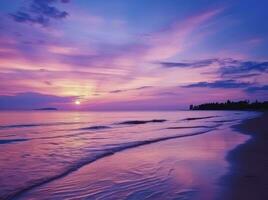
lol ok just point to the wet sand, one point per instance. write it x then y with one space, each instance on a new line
248 177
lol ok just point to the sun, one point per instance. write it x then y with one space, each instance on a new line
77 102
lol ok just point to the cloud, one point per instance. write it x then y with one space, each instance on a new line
220 84
245 75
257 88
132 89
242 67
230 84
31 100
228 65
39 12
175 37
155 46
193 64
225 66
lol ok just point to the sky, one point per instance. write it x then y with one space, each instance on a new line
131 54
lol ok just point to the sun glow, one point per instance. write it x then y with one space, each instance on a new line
77 102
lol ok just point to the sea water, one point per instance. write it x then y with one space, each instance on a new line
115 155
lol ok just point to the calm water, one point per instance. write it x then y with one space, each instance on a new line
115 155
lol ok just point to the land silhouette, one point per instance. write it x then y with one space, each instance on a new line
232 105
45 109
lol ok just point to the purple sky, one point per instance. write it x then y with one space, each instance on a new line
131 54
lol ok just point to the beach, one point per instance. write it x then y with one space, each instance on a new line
128 155
133 100
248 174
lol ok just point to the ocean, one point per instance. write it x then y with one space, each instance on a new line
116 155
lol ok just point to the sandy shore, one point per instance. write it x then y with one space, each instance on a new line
248 177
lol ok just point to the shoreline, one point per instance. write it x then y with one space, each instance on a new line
248 172
192 167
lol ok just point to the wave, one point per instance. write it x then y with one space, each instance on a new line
106 153
198 118
39 124
73 123
61 136
12 141
90 128
186 127
95 127
222 121
137 122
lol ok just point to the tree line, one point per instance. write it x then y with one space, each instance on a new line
232 105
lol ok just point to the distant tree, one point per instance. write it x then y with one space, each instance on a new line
191 107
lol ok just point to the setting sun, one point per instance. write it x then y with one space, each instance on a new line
77 102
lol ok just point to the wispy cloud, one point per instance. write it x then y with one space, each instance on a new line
239 76
172 39
131 89
220 84
192 64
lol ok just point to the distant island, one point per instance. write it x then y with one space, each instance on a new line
44 109
231 105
